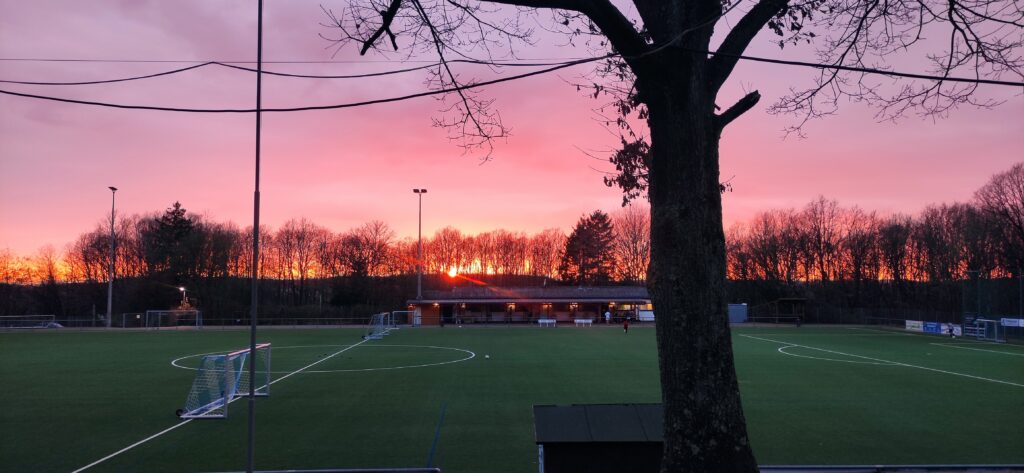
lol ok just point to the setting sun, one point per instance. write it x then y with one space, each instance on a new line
453 271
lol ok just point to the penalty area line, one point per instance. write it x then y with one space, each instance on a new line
955 345
162 432
954 373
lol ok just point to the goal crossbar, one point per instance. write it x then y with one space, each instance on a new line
246 350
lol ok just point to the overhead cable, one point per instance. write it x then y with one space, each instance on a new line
546 70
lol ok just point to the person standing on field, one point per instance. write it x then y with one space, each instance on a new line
625 325
607 317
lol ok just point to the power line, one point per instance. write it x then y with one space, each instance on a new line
867 70
285 74
110 81
311 107
285 61
516 77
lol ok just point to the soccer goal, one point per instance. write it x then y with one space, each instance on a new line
400 318
156 319
377 328
27 321
224 377
989 330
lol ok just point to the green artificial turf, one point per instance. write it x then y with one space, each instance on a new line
830 396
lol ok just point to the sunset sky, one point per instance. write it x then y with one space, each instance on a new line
342 168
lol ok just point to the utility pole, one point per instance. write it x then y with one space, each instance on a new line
113 255
419 247
250 464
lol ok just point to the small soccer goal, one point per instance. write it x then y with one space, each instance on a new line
377 328
401 317
989 330
27 321
156 319
223 377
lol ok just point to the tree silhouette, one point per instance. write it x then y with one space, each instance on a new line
1003 198
168 245
666 74
589 256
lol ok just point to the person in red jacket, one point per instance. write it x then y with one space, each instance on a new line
625 325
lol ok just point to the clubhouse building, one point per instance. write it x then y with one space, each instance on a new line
564 304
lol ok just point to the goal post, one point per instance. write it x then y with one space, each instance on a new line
221 378
261 359
377 328
989 330
155 319
402 317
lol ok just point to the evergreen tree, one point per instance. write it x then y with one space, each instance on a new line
588 256
168 245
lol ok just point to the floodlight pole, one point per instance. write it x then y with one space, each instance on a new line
977 291
113 255
419 246
251 450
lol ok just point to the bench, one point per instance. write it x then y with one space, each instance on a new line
547 322
584 322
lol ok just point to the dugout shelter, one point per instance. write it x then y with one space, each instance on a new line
598 438
564 304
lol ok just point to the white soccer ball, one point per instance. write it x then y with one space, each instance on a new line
487 356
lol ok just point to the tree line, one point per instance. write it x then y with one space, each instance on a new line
824 241
177 248
182 247
821 243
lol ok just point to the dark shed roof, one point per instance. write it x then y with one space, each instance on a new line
598 423
538 294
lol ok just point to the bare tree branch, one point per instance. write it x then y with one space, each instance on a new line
739 38
739 108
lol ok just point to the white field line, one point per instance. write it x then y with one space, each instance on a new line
151 437
999 381
472 355
961 339
784 352
950 345
887 332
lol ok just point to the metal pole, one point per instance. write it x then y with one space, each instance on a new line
419 246
977 291
1020 297
419 251
113 255
250 464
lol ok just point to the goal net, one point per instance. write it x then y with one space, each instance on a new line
27 321
223 377
401 317
156 319
377 328
988 330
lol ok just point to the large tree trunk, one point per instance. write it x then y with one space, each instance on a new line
704 425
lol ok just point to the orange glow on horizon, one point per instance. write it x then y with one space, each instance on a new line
453 271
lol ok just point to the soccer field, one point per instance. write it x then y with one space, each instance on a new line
812 395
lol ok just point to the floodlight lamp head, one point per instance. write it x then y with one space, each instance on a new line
182 289
112 189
